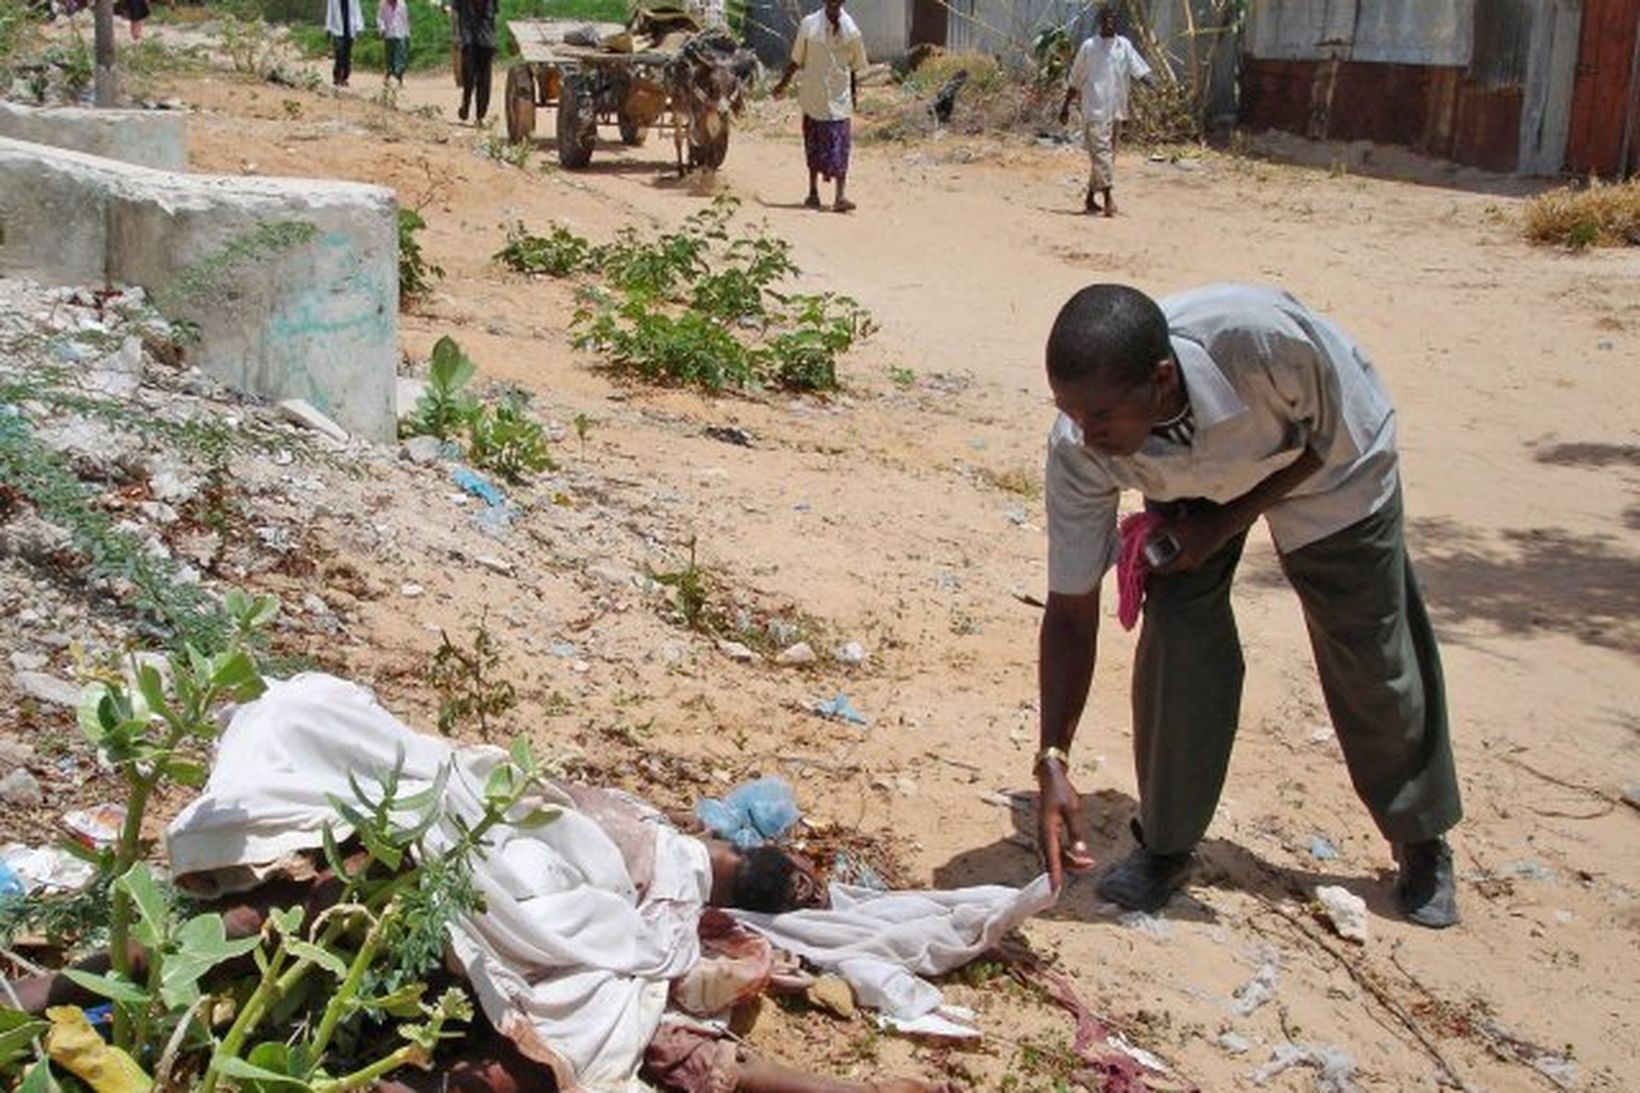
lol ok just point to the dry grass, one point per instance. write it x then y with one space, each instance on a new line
1598 215
993 100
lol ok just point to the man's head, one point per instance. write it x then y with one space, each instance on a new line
834 11
764 878
1111 366
1107 22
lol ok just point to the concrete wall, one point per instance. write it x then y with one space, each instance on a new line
293 283
151 138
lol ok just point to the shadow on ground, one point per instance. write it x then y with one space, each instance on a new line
1106 813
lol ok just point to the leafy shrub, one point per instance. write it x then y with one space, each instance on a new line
506 440
445 405
416 273
683 299
559 253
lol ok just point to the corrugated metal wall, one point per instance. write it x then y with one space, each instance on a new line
771 23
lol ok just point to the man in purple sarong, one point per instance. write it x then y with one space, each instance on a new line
831 54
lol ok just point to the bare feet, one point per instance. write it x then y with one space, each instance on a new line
812 201
843 205
1110 207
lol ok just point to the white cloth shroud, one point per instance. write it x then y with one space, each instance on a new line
564 960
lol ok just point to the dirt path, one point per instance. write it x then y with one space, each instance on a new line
906 518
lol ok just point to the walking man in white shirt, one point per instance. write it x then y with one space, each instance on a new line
831 53
1222 405
1099 77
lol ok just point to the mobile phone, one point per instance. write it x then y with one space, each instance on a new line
1160 550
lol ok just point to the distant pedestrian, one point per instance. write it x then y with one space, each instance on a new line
342 22
393 20
831 53
136 11
1099 77
475 31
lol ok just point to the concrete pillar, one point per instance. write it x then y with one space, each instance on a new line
151 138
292 284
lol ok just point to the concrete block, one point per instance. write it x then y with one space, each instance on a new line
148 138
291 283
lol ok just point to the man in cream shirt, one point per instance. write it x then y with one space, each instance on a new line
1100 76
831 54
1221 405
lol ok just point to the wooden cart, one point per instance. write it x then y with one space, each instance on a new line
586 87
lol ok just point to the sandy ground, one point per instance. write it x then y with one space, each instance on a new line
909 517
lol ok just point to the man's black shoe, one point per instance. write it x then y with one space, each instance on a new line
1143 881
1426 890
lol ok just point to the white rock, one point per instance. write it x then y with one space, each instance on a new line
20 788
173 487
1346 912
314 605
734 650
850 652
494 564
609 573
48 689
27 662
410 590
301 412
158 511
801 653
1234 1043
423 450
14 753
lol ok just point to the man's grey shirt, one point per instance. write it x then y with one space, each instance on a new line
1266 378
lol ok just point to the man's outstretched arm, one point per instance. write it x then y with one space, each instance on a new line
1067 644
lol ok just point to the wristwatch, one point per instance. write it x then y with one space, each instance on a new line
1058 755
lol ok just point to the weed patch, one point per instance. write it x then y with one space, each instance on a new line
1597 215
416 272
502 437
697 307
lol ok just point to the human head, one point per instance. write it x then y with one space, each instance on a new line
1107 21
1111 366
764 878
834 11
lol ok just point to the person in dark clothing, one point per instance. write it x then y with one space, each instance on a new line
474 28
342 21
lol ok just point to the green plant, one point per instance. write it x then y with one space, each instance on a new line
445 406
902 377
416 273
468 691
512 153
694 591
505 439
559 253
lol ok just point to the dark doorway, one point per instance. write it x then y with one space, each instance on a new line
1604 90
928 22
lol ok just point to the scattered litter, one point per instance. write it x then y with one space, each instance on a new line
840 709
853 653
411 590
97 826
21 789
949 1022
476 484
734 650
731 434
1321 736
1337 1069
1235 1043
45 868
1529 869
751 814
846 868
1152 926
11 886
1345 911
1259 989
1558 1069
1138 1054
565 649
1322 849
495 565
798 654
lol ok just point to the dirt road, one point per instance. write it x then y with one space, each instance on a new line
906 515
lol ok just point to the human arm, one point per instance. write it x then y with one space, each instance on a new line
785 79
1200 534
1073 83
1066 648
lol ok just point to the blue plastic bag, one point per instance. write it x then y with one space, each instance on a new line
751 814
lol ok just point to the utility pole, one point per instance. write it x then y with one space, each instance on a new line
106 84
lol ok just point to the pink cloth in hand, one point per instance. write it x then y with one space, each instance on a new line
1131 567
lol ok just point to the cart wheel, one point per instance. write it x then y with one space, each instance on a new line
577 125
520 103
631 132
